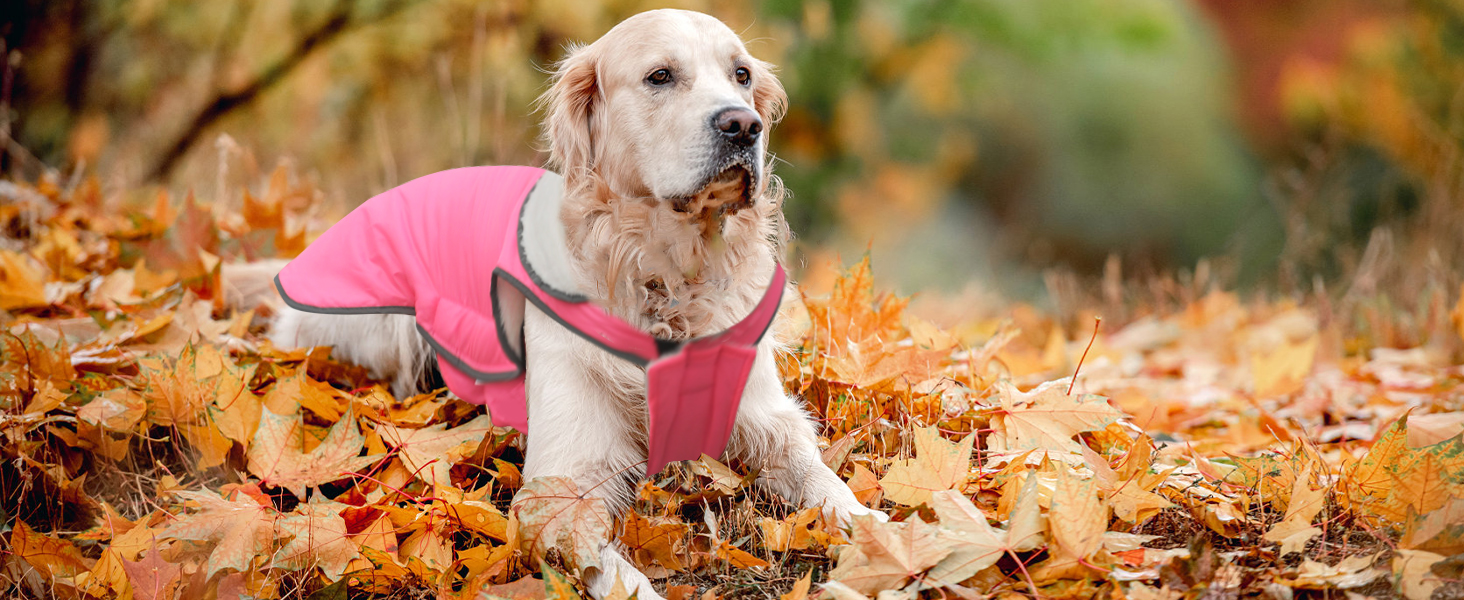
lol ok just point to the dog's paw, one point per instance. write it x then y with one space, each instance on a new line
843 515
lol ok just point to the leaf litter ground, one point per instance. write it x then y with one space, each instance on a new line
155 446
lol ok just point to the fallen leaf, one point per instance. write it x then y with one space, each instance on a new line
550 512
54 557
431 451
938 465
886 556
652 541
1413 574
279 458
240 530
153 578
1045 420
320 540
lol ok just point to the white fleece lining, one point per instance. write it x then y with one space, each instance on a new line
542 242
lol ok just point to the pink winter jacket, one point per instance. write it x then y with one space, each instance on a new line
463 250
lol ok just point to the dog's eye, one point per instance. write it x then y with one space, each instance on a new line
659 77
743 75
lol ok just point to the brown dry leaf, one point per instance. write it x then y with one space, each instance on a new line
1412 571
279 458
865 486
549 512
320 540
430 452
724 480
1441 531
648 541
21 285
153 578
938 465
1427 430
885 556
1044 421
527 587
241 530
54 557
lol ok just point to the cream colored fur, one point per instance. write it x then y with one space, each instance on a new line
653 242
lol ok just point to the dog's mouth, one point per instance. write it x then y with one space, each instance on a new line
726 191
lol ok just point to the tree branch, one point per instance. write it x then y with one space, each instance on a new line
337 23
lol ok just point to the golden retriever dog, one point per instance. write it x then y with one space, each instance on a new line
672 220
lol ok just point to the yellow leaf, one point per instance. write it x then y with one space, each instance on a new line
792 533
481 517
557 586
738 557
938 465
380 535
1296 527
1026 523
430 547
1283 370
1440 531
800 588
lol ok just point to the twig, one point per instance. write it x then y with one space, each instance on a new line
1096 322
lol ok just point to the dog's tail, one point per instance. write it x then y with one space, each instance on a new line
251 285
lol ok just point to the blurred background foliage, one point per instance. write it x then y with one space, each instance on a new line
1303 143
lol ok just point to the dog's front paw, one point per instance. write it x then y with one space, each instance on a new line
842 515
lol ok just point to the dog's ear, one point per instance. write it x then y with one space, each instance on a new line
768 96
568 105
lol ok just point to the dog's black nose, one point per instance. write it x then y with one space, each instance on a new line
738 125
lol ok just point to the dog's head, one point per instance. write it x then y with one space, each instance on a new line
668 104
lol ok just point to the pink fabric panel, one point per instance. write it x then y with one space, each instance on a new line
505 400
427 245
693 400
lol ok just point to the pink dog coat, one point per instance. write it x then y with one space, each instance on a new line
440 248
